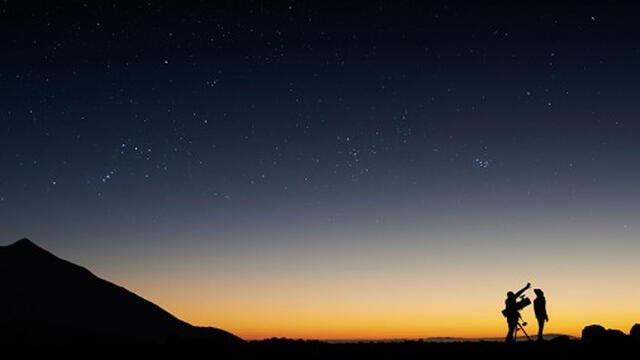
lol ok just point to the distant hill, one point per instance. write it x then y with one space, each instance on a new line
440 339
497 339
47 299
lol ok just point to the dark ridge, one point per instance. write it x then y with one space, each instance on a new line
46 299
25 245
23 242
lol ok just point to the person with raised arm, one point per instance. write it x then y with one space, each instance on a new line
512 311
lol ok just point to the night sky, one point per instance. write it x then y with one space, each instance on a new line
312 170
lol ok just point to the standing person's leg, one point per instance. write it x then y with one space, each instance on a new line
540 328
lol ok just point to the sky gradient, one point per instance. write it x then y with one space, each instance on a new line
369 170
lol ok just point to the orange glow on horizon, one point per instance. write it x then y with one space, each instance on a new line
344 327
384 292
393 314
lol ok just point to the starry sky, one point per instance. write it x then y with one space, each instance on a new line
330 170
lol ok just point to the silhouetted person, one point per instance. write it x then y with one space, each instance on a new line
512 311
540 308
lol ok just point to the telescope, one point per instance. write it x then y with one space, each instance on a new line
523 303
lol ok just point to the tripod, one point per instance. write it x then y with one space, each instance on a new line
520 326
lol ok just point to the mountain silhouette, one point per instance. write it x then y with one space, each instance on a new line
48 299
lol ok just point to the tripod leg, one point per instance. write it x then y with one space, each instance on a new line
524 331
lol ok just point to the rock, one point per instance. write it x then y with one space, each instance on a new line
598 334
615 335
593 333
561 339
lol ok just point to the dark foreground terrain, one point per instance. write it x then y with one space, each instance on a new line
51 308
297 349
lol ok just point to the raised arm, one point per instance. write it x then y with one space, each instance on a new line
523 290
